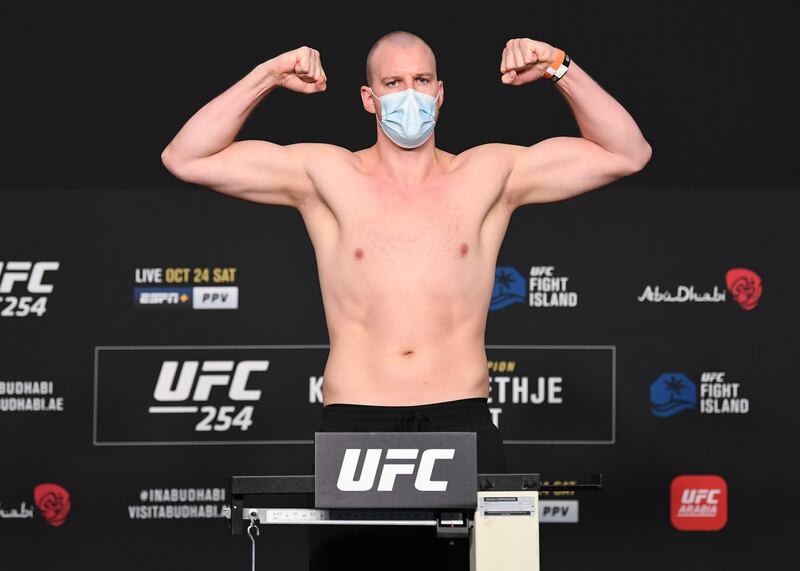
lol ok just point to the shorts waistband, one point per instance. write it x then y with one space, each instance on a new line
445 408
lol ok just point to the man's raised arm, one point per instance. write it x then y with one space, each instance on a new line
204 151
611 145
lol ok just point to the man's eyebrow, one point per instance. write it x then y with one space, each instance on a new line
423 74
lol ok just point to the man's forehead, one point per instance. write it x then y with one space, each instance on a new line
391 63
388 53
400 54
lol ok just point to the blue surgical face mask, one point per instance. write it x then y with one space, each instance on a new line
408 117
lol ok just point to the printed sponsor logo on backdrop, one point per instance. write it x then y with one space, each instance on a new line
186 288
52 500
673 393
17 510
208 395
552 394
545 287
558 506
25 287
699 503
29 396
178 503
744 286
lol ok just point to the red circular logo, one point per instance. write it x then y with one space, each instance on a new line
745 287
53 501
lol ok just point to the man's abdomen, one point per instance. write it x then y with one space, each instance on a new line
371 367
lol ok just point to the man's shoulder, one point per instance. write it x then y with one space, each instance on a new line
324 150
327 155
496 154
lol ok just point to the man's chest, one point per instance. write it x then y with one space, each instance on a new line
449 208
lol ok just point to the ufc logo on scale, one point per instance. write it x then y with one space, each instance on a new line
372 461
395 469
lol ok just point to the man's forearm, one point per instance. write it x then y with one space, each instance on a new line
601 118
215 125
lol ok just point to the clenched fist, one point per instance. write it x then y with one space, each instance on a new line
525 60
300 70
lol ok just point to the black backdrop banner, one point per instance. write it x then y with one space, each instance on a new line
158 338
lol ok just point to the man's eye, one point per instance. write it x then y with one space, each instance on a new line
389 84
425 79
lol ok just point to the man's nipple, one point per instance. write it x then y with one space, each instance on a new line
462 250
359 254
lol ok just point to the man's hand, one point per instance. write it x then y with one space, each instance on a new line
300 70
525 60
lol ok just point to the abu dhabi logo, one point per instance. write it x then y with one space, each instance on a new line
672 393
509 287
745 287
53 502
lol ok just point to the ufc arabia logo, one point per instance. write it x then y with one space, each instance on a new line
699 503
390 471
189 384
700 496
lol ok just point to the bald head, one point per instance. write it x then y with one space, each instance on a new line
397 40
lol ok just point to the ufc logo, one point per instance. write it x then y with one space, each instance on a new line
167 390
372 461
26 272
700 495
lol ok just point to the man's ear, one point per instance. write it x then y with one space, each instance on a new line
368 100
441 99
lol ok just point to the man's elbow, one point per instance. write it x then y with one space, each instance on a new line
641 158
165 157
170 162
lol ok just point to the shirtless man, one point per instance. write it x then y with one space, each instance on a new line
406 235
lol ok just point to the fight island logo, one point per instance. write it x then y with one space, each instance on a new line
699 503
544 288
672 393
187 288
744 286
20 278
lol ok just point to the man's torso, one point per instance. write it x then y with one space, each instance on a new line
406 275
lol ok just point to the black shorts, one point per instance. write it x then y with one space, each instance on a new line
353 548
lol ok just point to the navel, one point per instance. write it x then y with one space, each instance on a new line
463 250
359 254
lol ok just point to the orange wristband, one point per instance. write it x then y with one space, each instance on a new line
558 68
